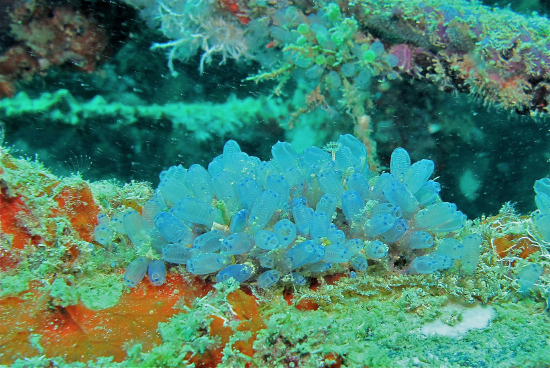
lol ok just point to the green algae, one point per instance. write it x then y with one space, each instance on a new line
101 291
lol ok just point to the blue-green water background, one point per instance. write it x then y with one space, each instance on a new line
501 151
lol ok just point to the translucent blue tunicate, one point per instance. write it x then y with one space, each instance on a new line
157 272
379 224
240 166
285 155
265 239
150 209
398 194
318 267
135 272
331 183
249 190
209 242
542 223
263 170
225 190
102 218
376 249
300 254
157 241
266 260
427 194
318 255
262 210
418 174
420 240
237 244
359 262
285 231
197 212
135 228
354 246
230 149
400 162
298 279
216 166
358 182
424 264
116 222
268 278
177 253
383 182
353 275
443 261
200 183
172 184
346 161
336 237
528 276
399 228
356 147
319 226
439 217
385 208
352 206
298 201
240 272
172 229
302 218
327 204
103 234
470 259
206 263
542 198
313 158
278 184
238 222
336 254
451 247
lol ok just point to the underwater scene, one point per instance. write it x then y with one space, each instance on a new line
274 183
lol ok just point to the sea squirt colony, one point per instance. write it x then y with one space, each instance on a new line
293 217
